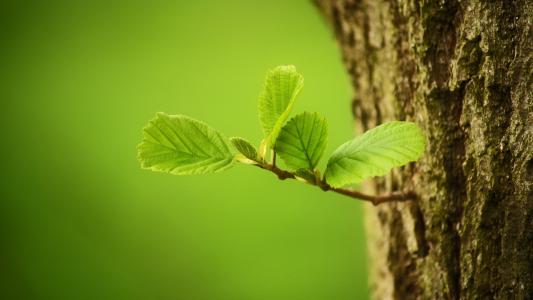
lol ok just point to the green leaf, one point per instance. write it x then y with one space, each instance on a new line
181 145
375 153
306 174
302 141
245 148
282 85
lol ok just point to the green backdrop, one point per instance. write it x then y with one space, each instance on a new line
79 219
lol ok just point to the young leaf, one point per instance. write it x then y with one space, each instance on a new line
306 174
245 148
282 85
302 141
375 152
181 145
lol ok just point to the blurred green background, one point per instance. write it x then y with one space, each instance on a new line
79 219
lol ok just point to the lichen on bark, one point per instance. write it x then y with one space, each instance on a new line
463 71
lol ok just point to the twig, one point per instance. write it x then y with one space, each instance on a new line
374 199
378 199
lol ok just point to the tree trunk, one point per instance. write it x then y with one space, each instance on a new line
462 70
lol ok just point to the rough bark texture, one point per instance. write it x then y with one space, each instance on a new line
462 70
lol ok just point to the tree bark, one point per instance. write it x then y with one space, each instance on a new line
462 70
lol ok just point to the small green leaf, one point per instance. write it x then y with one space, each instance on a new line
245 148
306 174
375 153
302 141
181 145
282 85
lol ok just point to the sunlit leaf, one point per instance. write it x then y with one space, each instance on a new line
282 85
375 153
181 145
302 141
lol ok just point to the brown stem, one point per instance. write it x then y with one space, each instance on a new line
374 199
378 199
